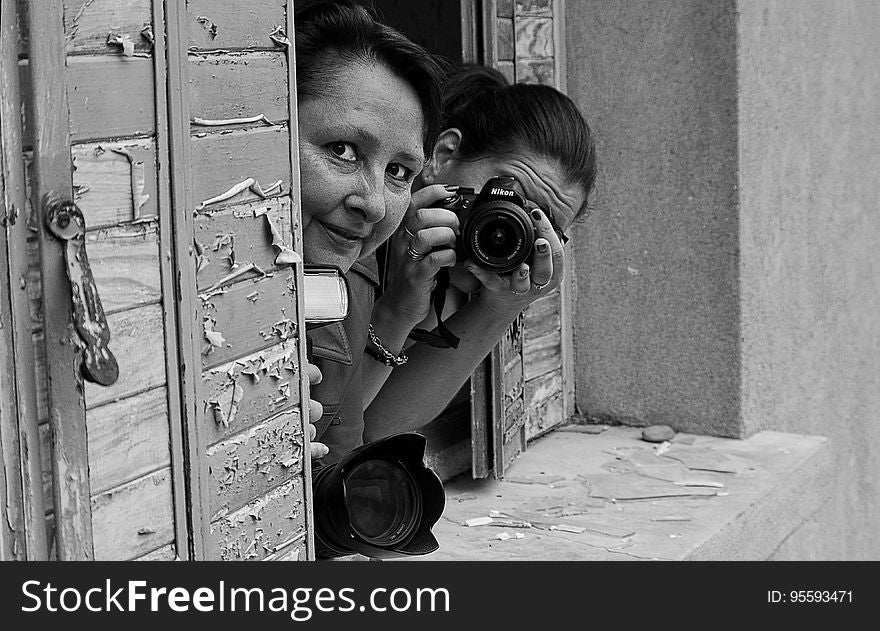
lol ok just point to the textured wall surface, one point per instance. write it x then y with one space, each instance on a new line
810 239
656 321
728 279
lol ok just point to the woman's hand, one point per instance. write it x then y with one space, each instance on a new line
509 294
424 243
316 411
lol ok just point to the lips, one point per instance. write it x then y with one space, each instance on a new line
344 236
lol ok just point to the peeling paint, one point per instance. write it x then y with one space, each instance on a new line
138 182
286 255
208 25
279 37
216 287
123 41
147 34
247 184
207 122
214 338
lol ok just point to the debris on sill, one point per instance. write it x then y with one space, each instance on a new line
583 429
506 536
658 434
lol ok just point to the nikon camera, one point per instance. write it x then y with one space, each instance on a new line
496 231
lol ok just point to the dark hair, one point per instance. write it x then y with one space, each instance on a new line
331 34
497 117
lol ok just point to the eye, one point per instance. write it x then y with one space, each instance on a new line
343 151
399 172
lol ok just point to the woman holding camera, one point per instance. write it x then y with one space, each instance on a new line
535 135
369 114
369 104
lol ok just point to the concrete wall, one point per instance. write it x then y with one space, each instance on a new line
809 138
656 321
728 279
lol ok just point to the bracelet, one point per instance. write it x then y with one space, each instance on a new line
383 355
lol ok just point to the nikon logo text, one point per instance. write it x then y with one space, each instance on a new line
501 191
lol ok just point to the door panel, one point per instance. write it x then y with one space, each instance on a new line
197 449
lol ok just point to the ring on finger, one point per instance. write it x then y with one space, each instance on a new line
413 254
408 231
517 293
540 286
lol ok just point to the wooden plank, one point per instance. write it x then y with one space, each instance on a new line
135 338
178 402
306 519
125 264
133 519
241 234
229 24
112 188
188 308
22 496
542 355
73 531
469 32
165 553
263 527
543 395
34 282
250 316
255 461
109 97
543 316
238 85
481 440
219 161
544 417
490 38
88 22
128 439
235 400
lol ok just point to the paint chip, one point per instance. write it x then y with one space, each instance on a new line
208 25
279 37
477 521
123 41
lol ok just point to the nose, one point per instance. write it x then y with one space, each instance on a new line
368 197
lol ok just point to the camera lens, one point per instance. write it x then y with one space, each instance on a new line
498 237
382 501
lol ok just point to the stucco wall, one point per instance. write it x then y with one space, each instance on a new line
809 139
728 280
657 311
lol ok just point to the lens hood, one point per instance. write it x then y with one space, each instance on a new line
380 500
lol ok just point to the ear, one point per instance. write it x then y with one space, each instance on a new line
445 147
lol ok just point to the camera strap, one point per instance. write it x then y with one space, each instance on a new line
443 338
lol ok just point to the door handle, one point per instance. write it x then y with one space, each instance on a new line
65 221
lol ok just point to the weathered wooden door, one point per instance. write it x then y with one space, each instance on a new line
168 125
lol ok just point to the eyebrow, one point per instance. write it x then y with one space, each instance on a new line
367 137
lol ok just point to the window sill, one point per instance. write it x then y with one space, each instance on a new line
609 496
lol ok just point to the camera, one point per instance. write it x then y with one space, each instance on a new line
497 233
380 500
